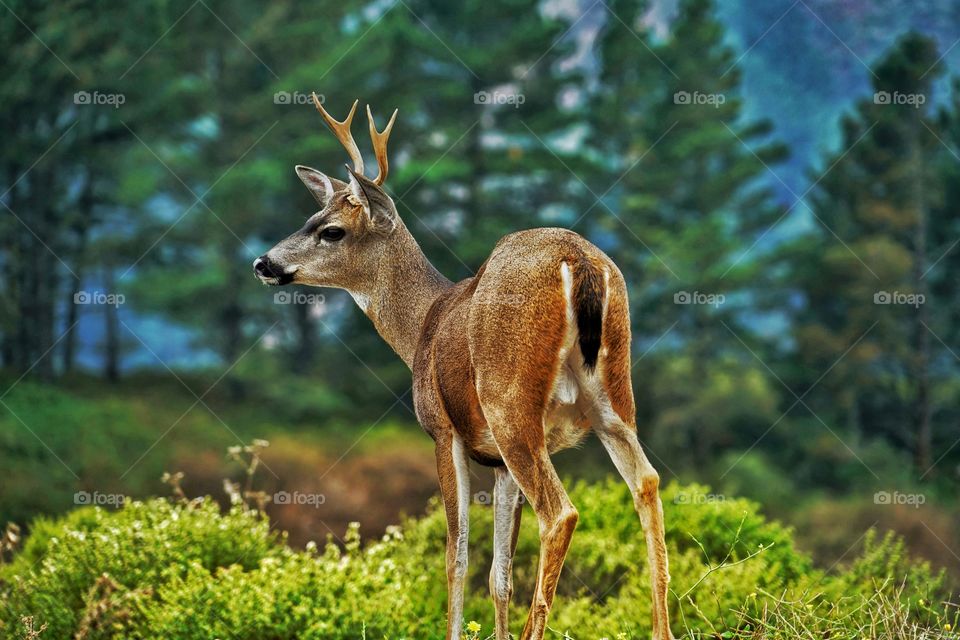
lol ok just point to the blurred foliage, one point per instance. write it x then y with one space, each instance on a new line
94 442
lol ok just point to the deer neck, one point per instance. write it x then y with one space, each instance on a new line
404 287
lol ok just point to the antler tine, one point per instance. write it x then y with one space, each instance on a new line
342 131
380 144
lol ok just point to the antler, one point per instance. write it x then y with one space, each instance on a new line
342 131
380 144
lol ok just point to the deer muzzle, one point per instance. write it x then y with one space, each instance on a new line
271 273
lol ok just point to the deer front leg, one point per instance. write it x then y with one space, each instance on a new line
454 475
507 510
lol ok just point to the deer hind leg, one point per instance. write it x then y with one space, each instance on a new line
454 474
522 447
620 441
507 510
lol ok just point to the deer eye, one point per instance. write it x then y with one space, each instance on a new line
332 234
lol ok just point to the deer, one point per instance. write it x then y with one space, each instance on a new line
509 366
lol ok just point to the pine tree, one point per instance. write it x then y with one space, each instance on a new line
688 204
480 167
864 272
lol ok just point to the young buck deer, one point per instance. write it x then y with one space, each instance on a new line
509 366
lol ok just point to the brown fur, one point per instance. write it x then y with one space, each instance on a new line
519 361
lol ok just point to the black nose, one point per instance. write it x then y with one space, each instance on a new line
261 267
271 272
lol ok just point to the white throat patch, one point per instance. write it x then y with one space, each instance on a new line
362 300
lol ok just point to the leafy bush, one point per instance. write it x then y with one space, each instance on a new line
165 569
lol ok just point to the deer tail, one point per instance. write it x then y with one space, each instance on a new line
589 294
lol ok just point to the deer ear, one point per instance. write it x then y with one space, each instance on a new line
377 205
320 185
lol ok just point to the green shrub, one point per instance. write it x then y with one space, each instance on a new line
162 569
141 546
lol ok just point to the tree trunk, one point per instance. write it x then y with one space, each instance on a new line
853 416
474 219
304 354
20 282
701 435
111 318
70 339
921 356
231 330
85 211
40 275
48 286
8 245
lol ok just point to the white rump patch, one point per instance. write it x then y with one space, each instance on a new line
573 380
566 276
565 387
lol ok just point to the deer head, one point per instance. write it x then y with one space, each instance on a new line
339 245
